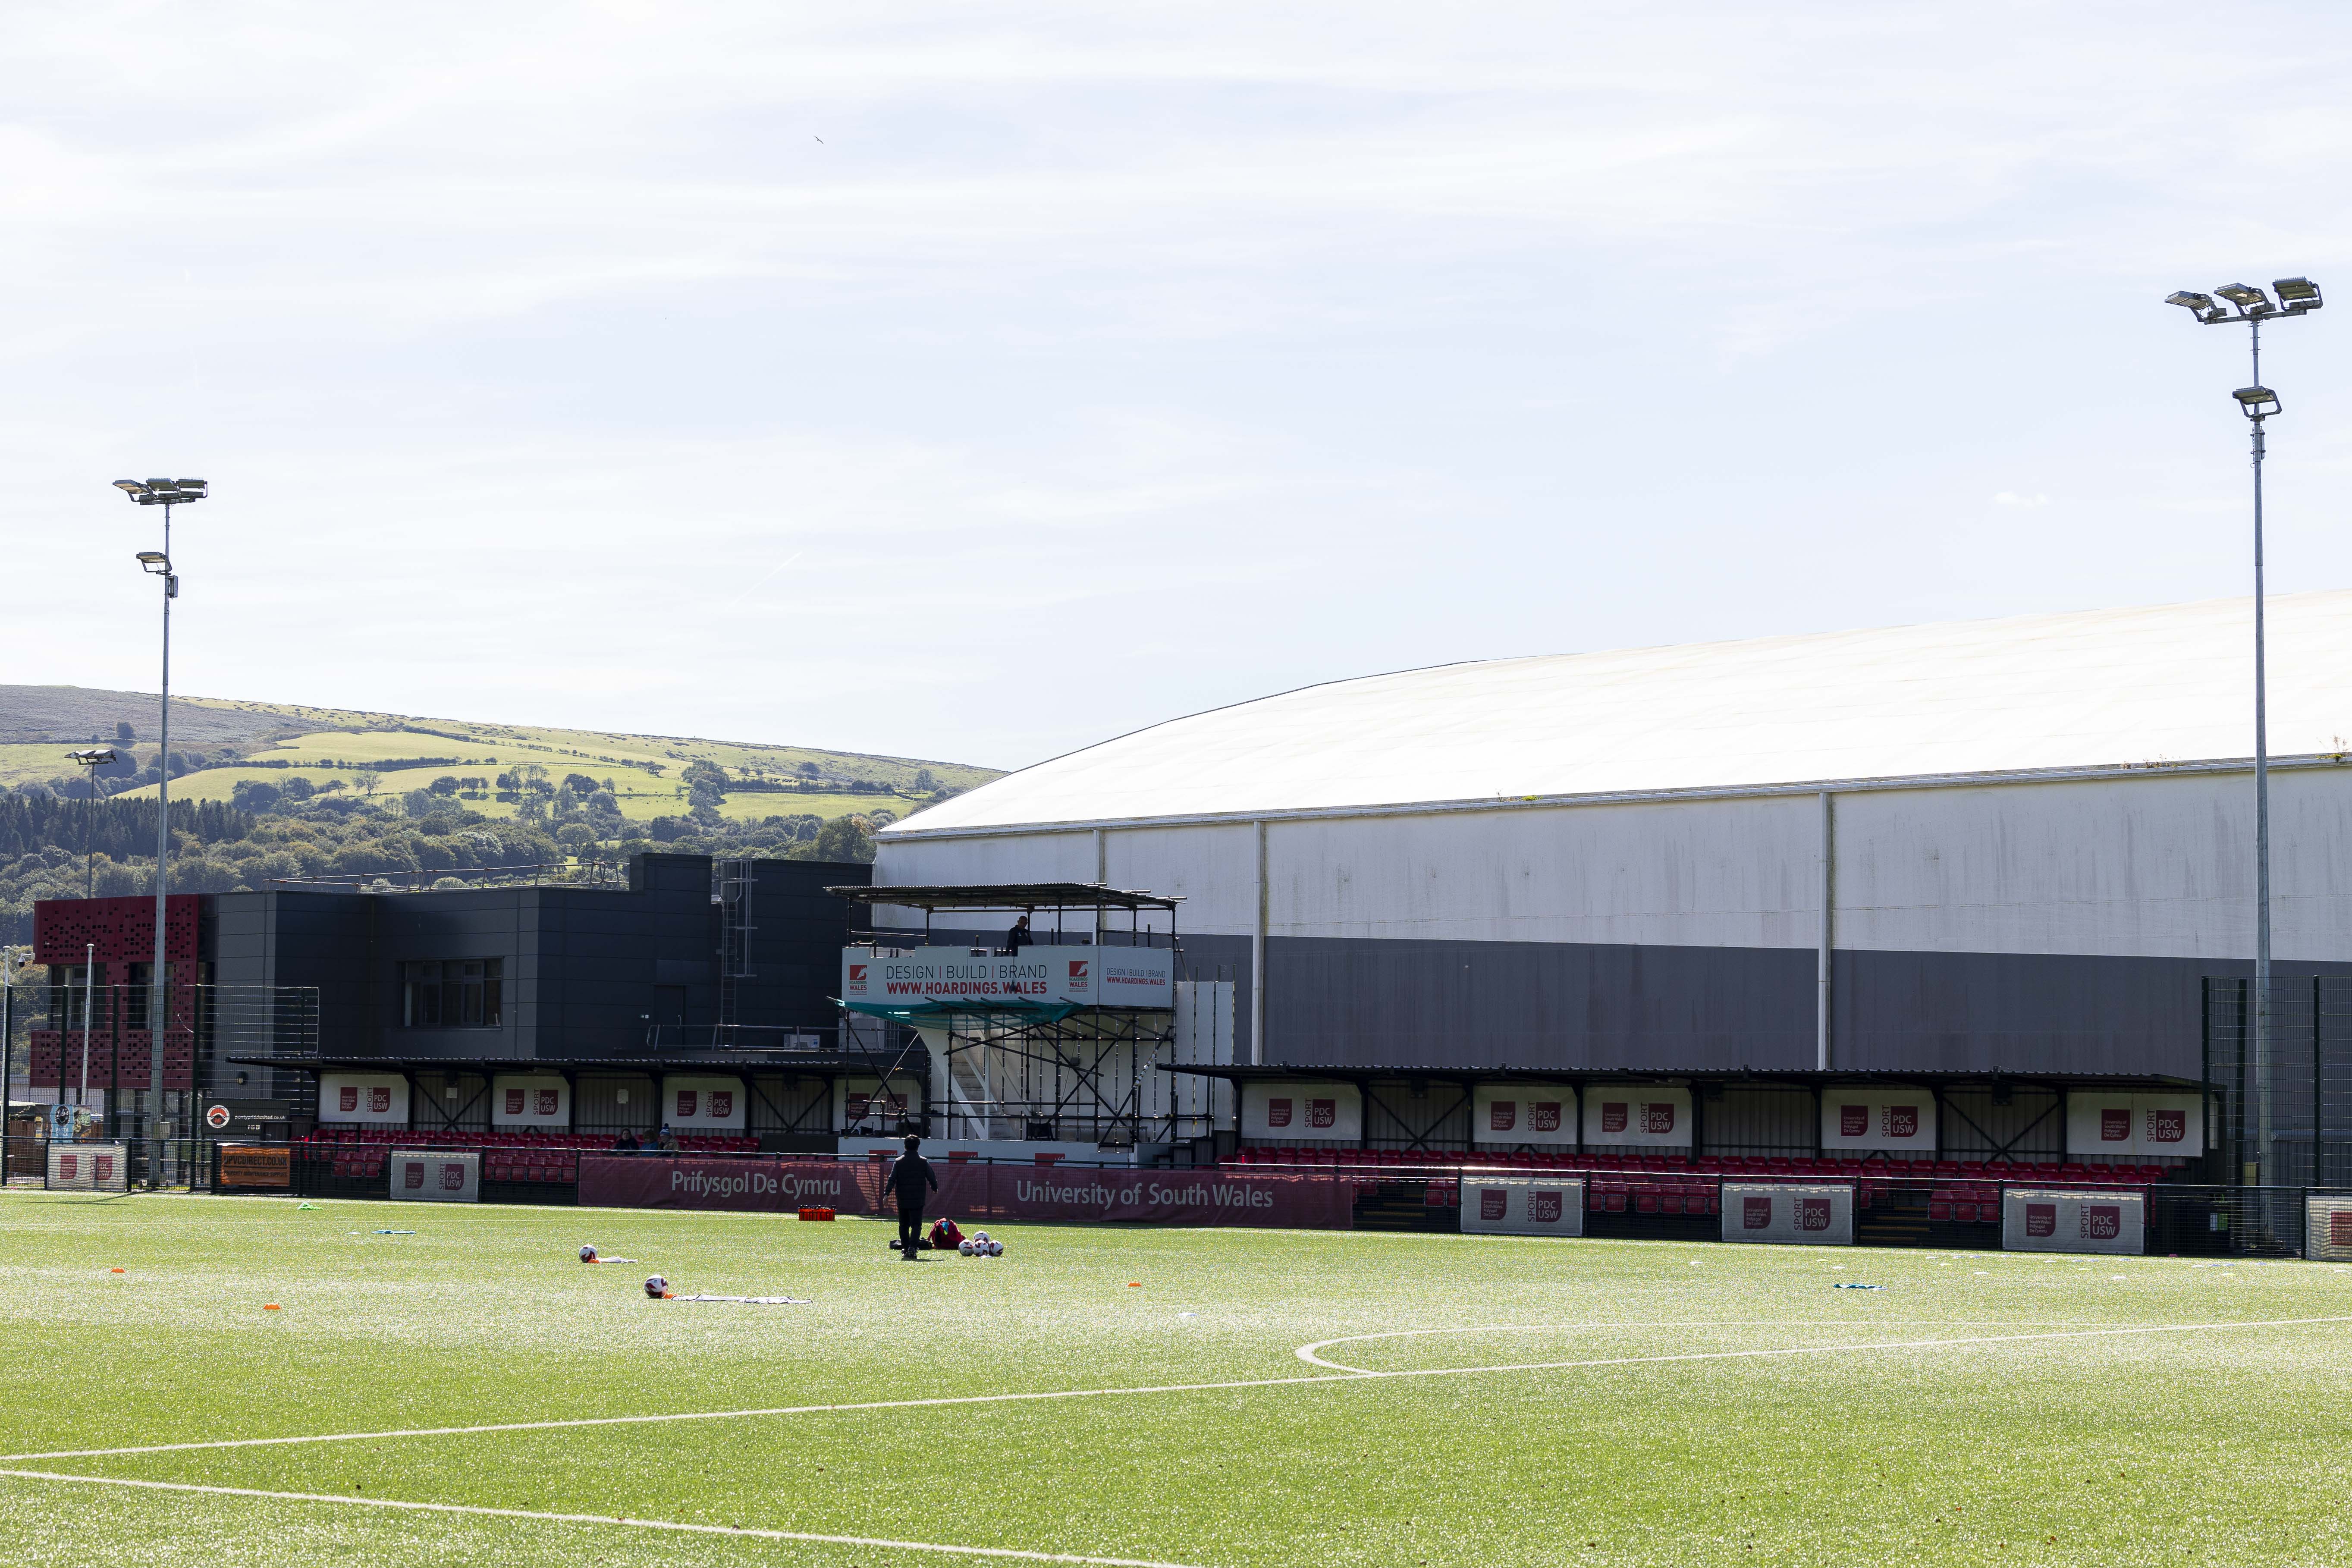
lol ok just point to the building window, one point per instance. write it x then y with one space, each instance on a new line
137 993
69 997
451 994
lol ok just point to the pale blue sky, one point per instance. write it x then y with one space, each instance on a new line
1101 364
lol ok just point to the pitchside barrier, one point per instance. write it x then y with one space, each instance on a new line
976 1191
1812 1214
88 1168
1520 1206
1340 1189
435 1175
2328 1228
2042 1220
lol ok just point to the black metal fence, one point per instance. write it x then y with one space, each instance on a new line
2309 1108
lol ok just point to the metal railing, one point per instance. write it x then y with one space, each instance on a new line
664 1038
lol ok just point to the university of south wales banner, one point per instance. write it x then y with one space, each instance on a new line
974 1192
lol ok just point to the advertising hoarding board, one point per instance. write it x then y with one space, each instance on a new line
1878 1116
531 1099
2102 1125
711 1104
1303 1112
1087 976
2328 1228
88 1168
1497 1205
266 1166
434 1175
1638 1115
377 1099
2069 1220
1543 1114
987 1193
249 1118
1810 1214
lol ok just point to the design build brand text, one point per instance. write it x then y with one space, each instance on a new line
977 977
1083 976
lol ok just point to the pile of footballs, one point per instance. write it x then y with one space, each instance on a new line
977 1245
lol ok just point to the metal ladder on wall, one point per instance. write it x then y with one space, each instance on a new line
736 879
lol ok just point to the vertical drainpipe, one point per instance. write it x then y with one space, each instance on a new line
1257 959
1829 935
1102 879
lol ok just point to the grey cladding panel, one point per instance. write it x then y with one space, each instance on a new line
1537 1005
1350 1002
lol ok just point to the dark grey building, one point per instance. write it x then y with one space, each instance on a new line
679 957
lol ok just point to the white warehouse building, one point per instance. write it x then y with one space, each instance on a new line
2017 850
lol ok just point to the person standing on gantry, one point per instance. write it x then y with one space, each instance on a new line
910 1181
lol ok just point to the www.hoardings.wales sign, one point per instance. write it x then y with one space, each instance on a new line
1086 977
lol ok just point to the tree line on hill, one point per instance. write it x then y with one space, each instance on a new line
271 834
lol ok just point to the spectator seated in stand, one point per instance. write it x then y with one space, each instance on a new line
627 1143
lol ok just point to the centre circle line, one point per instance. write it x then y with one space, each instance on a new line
1306 1353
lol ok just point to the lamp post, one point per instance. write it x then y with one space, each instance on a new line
91 758
167 494
2297 297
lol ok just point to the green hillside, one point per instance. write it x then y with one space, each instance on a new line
319 795
238 740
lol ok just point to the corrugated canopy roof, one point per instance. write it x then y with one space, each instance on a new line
2109 688
1010 895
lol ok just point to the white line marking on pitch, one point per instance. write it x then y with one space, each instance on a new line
1339 1373
1306 1352
676 1415
605 1521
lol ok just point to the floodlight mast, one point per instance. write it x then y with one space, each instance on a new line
89 759
2297 297
167 494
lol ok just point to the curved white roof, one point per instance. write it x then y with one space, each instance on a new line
2167 684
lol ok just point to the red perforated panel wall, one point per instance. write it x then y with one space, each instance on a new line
57 1060
122 929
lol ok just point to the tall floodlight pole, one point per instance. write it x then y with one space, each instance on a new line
167 494
90 759
2297 297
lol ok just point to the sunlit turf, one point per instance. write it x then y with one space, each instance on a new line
2224 1444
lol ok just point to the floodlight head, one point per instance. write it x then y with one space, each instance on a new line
92 756
2201 305
2298 295
162 493
150 557
2259 403
2250 300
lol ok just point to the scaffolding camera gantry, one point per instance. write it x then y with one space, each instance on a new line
1035 1035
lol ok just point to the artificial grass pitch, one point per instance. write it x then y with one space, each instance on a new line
2216 1445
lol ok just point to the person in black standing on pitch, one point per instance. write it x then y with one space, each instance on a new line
910 1181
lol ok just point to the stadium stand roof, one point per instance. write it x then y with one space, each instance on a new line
2168 685
1832 1078
1009 895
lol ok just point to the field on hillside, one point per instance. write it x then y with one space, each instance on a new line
1140 1396
306 736
641 796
